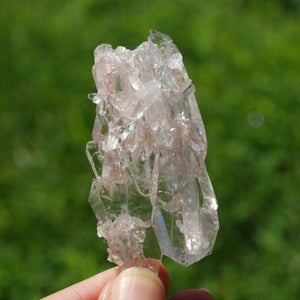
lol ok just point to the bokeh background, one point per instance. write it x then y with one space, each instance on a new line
244 59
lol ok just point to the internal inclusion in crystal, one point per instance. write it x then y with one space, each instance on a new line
151 194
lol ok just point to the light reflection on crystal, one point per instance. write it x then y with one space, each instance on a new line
152 194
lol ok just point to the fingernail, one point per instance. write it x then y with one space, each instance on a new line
106 292
134 284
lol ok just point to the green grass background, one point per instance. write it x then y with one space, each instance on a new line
243 56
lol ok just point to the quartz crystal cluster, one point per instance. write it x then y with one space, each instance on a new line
151 193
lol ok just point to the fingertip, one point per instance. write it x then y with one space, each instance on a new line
192 294
134 284
106 291
161 272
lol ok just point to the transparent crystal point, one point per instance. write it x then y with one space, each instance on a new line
151 194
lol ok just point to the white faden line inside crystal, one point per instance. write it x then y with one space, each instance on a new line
152 195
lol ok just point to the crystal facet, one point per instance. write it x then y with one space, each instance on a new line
151 193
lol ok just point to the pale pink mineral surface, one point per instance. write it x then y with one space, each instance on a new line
151 193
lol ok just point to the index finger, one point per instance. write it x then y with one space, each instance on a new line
88 289
91 288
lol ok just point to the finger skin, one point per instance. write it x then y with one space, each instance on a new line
91 288
201 294
134 283
88 289
161 272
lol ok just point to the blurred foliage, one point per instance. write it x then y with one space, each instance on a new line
243 56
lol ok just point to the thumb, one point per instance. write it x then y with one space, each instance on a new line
134 284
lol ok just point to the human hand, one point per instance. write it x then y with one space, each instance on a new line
131 284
